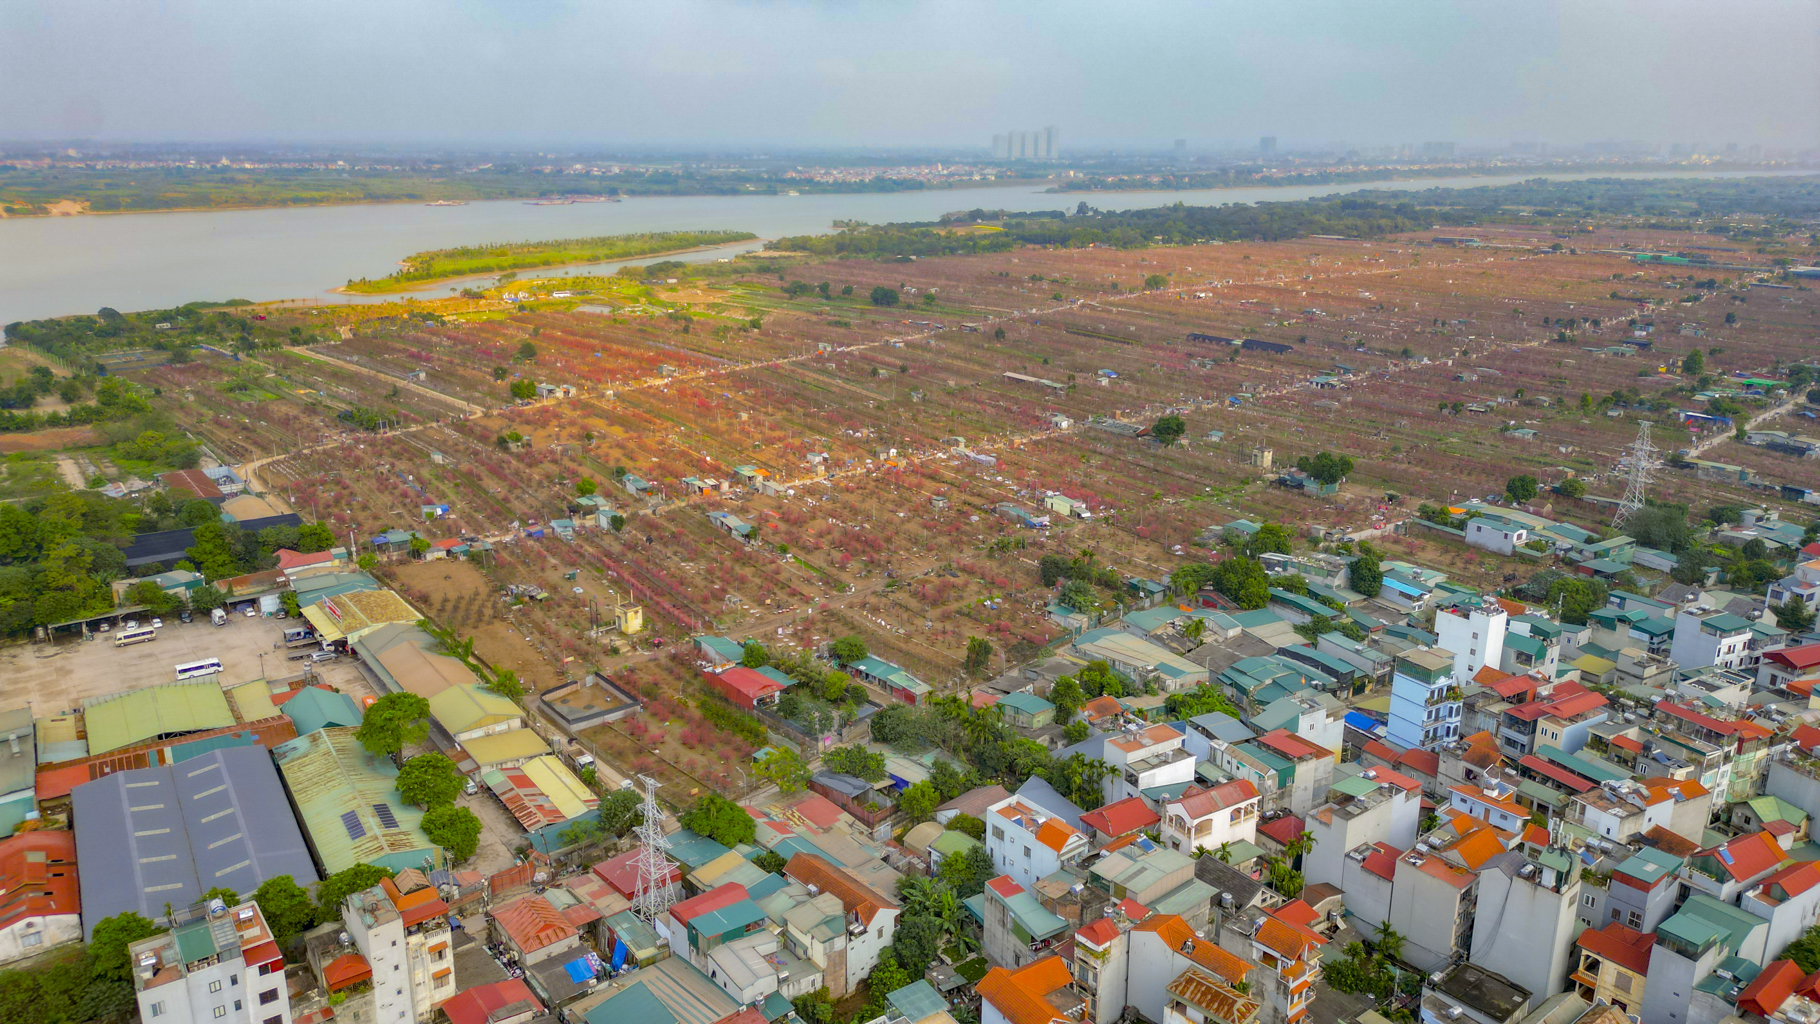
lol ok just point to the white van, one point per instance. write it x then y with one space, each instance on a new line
323 656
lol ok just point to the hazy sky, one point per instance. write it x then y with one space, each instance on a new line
1121 72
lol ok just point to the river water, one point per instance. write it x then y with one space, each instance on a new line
54 266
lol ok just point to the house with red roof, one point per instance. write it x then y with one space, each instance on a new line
1493 801
1770 992
40 904
746 688
1312 769
1206 818
622 873
1725 871
1789 899
1795 669
1118 820
1612 964
503 1002
1277 833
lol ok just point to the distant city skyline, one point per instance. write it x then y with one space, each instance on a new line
723 73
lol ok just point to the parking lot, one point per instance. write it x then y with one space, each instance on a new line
53 678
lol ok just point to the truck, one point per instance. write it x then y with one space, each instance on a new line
218 617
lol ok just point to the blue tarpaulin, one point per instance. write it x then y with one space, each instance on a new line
620 952
579 970
1363 722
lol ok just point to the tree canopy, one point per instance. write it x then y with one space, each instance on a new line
720 819
455 829
1168 429
1326 467
395 721
430 779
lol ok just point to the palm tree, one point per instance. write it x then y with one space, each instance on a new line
1299 845
1195 629
1390 944
1225 853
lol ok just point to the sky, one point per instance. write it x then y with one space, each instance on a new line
730 73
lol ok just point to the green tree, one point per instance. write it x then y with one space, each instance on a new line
1572 487
770 862
1201 699
334 890
1168 429
968 825
785 769
395 721
856 761
979 655
527 352
720 819
1694 363
507 684
430 779
1521 488
755 655
455 829
968 873
1076 731
1154 281
314 537
1067 697
620 812
1690 566
849 649
586 487
918 802
215 551
882 296
1326 467
617 522
818 1006
499 373
367 562
1794 615
522 390
1366 574
1270 538
1078 595
1577 597
227 896
286 906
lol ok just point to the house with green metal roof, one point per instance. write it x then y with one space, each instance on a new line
313 708
719 650
348 802
1295 608
1026 710
170 709
892 679
949 844
1019 929
917 1001
1754 814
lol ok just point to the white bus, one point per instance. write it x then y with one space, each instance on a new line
192 669
133 636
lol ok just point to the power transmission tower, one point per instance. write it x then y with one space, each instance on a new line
655 892
1637 466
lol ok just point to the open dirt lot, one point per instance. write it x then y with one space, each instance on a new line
56 678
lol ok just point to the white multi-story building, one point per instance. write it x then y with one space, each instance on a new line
216 964
1206 819
1028 843
1713 638
1425 700
1145 759
404 937
1474 632
1803 585
1375 806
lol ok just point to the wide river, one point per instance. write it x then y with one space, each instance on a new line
53 266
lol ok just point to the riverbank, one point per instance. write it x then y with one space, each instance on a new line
441 266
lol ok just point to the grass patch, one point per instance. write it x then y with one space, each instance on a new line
475 260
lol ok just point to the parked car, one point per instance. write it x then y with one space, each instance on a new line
157 623
184 615
130 624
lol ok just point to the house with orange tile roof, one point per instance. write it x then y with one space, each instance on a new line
1287 951
1036 993
1121 963
1771 993
1492 801
533 930
1028 843
1117 820
403 934
40 903
1612 964
1206 818
1619 810
870 919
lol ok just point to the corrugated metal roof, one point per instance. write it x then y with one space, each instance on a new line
313 708
469 706
122 719
153 836
513 745
253 701
340 791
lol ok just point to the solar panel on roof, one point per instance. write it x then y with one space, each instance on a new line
386 817
351 821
